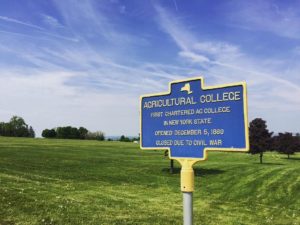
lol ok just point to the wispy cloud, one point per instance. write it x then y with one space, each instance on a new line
88 63
89 21
51 21
77 77
279 18
194 57
12 20
228 63
38 29
173 26
45 101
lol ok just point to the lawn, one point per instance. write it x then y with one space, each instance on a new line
91 182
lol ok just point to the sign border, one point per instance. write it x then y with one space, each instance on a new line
245 111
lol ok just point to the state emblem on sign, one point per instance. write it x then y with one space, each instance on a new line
187 88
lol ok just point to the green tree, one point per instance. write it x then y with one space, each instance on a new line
2 129
16 127
286 143
67 132
19 127
98 135
136 138
123 138
31 132
49 133
74 133
297 137
8 130
260 137
82 132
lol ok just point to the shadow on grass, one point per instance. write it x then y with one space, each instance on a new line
269 164
199 172
6 222
292 158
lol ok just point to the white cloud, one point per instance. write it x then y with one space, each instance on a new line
217 48
39 33
280 19
45 102
269 91
91 21
73 84
12 20
67 79
51 21
173 26
195 58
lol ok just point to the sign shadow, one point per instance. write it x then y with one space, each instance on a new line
269 164
199 172
292 158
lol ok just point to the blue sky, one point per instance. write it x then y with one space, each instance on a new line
85 63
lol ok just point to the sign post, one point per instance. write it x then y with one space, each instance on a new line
189 120
187 188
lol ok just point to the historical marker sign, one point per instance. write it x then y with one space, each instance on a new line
191 119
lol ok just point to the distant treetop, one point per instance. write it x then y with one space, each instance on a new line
16 127
70 132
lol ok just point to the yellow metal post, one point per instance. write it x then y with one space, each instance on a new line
187 188
187 175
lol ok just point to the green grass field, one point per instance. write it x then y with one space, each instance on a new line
90 182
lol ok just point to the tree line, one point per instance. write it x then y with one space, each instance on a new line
16 127
123 138
70 132
262 140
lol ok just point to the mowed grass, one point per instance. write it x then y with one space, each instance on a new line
91 182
